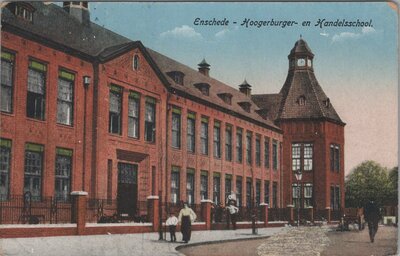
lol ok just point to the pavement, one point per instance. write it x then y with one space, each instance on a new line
143 244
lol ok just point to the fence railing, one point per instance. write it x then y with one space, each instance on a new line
22 209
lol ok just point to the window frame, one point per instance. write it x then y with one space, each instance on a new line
68 77
9 58
115 118
32 148
239 145
150 126
267 153
258 150
191 133
176 128
204 136
67 154
204 185
216 188
249 148
190 186
38 110
132 129
5 161
175 185
217 139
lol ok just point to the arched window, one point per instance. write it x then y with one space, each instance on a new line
301 100
136 62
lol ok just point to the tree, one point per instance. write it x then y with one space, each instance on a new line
393 186
368 181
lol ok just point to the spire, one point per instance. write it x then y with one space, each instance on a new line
204 67
245 88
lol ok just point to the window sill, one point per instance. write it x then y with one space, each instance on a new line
35 120
65 126
134 138
176 148
7 113
115 135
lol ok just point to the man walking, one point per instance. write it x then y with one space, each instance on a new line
372 216
232 211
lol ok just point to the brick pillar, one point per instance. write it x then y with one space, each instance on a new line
264 210
79 210
206 212
290 208
311 213
328 214
152 211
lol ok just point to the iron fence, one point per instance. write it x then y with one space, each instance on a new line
278 214
24 209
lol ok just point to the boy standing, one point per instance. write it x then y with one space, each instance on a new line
172 221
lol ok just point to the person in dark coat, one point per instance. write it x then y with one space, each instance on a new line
372 216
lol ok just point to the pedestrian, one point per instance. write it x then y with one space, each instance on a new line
232 212
372 216
186 217
172 221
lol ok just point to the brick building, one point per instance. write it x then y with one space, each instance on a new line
83 108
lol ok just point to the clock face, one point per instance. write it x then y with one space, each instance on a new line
301 62
309 63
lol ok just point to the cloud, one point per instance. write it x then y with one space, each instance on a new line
221 33
182 32
350 35
324 34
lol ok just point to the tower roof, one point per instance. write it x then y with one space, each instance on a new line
245 84
203 63
301 47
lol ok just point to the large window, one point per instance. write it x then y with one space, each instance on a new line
65 98
228 143
275 155
36 97
217 188
33 170
133 114
204 185
302 157
266 192
308 195
115 119
258 192
7 81
335 197
266 153
335 157
176 127
275 194
258 151
204 135
150 120
228 185
217 139
175 181
190 186
191 132
239 145
5 160
248 192
239 190
248 147
62 185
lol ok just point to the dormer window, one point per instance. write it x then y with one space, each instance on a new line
327 102
24 11
177 76
135 62
245 105
301 100
204 88
226 97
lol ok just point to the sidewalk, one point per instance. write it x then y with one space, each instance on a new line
145 244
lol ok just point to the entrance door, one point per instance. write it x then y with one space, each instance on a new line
127 189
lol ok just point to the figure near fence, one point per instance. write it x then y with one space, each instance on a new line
172 221
372 216
186 217
232 212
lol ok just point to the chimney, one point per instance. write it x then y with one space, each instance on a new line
245 88
204 67
79 10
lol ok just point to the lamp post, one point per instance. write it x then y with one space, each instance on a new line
298 175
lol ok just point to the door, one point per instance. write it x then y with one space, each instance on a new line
127 189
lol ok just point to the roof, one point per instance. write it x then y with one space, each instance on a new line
301 47
52 22
268 104
193 77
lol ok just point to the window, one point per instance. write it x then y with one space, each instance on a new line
217 188
275 155
175 181
228 185
266 153
258 151
63 174
228 143
133 114
308 188
5 164
258 192
335 197
296 191
204 135
7 88
217 139
190 186
302 157
203 87
33 170
239 145
24 12
176 127
301 100
239 191
248 193
245 106
150 120
36 98
127 173
275 194
177 76
204 185
266 192
136 62
115 109
109 180
191 132
335 157
65 98
226 97
248 147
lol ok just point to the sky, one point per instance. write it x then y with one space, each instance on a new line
357 67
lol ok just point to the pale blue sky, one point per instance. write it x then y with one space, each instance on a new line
357 68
